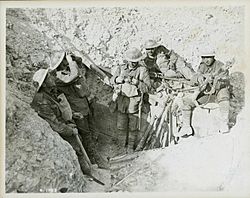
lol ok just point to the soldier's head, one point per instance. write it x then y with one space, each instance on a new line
44 78
133 56
150 46
208 57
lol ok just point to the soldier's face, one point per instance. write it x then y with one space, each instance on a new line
208 60
150 52
50 81
63 65
133 64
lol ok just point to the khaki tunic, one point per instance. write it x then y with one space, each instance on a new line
127 104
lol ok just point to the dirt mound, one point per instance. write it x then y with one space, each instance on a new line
38 159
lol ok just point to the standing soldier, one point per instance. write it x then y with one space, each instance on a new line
47 104
131 81
70 82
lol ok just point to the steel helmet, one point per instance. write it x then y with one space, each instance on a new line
208 53
149 44
133 55
56 60
40 76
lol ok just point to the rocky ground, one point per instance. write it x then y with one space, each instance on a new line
33 35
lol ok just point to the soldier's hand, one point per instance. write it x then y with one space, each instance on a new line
75 131
69 58
143 88
106 80
134 81
200 79
77 115
119 79
194 80
72 125
210 78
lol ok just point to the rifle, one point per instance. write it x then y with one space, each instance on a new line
161 76
145 135
159 128
140 112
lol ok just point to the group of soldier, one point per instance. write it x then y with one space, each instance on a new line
160 73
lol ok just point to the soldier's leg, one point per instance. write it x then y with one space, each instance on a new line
122 127
87 140
89 143
186 104
223 100
133 132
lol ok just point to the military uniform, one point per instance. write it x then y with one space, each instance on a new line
214 91
47 106
135 82
221 87
169 63
76 92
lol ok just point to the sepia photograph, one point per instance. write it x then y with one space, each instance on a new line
126 98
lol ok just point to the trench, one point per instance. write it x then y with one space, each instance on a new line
26 52
110 143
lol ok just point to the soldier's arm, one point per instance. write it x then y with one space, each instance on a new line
44 110
116 72
222 71
201 68
81 88
198 77
173 58
144 80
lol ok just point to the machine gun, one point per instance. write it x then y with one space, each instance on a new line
159 75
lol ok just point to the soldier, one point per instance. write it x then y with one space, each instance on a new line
131 82
169 63
176 74
47 104
212 78
215 75
70 82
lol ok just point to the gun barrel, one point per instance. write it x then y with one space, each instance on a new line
161 76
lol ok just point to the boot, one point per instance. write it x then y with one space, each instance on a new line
103 164
224 116
186 129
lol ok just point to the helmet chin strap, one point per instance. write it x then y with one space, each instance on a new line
132 66
151 57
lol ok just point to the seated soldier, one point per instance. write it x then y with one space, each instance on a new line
213 75
212 78
70 82
47 104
